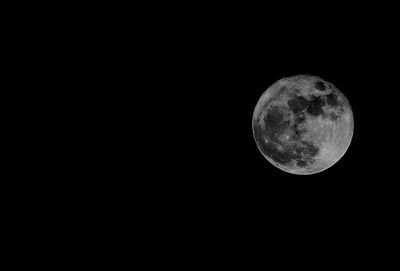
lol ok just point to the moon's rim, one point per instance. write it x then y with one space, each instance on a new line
273 91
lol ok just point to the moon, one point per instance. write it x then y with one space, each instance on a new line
303 124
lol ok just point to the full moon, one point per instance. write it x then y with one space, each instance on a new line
303 124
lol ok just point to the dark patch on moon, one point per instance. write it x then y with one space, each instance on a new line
301 163
297 104
319 85
332 100
333 116
315 105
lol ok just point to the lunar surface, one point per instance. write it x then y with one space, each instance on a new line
303 124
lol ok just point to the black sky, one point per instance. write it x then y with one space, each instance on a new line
225 66
217 67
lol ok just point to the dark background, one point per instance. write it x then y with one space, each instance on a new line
219 186
204 181
156 125
223 62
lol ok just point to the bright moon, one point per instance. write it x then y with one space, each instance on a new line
303 124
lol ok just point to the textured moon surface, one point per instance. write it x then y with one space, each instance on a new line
303 124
